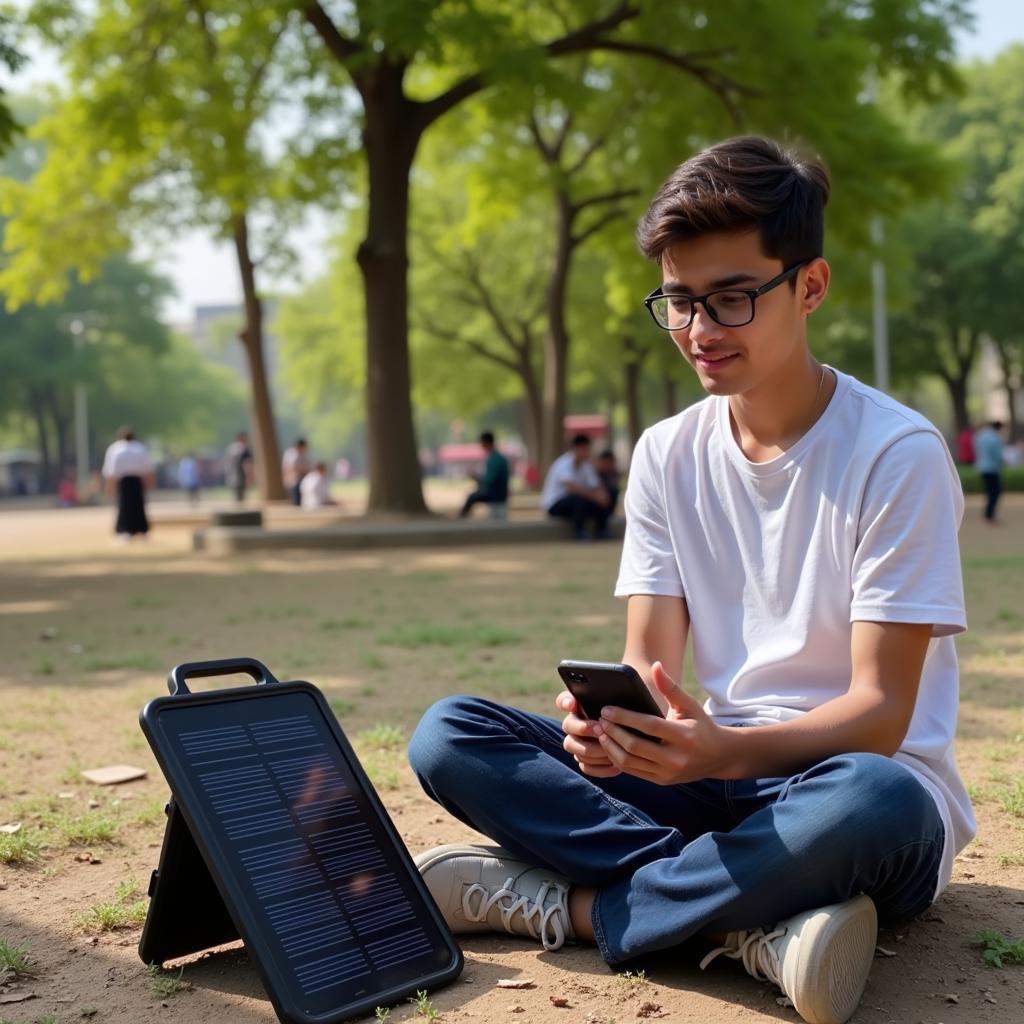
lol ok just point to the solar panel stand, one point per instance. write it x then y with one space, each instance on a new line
186 911
359 926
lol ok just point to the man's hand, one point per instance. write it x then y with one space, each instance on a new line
692 746
581 740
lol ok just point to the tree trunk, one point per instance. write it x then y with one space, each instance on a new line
556 341
39 416
1011 385
957 387
261 410
390 136
534 411
632 362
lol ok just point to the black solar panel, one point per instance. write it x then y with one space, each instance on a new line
303 855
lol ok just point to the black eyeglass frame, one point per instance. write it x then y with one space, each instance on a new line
752 293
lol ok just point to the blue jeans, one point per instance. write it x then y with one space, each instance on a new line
669 862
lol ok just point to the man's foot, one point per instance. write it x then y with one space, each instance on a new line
820 959
486 888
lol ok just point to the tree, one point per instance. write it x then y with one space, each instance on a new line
411 63
215 77
40 364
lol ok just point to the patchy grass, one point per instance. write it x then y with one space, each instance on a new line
432 634
15 959
165 983
123 663
126 910
382 737
23 847
997 950
89 829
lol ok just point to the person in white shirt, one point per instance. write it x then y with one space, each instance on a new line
573 490
800 529
294 466
128 471
313 488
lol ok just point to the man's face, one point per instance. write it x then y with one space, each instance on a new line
580 452
734 360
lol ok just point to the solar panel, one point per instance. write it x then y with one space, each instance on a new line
275 826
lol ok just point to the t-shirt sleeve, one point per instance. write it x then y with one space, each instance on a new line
649 564
906 567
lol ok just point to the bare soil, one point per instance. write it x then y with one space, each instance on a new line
88 630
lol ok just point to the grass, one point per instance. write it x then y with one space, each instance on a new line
126 910
382 737
432 634
87 829
423 1006
340 707
23 847
165 983
997 950
633 979
15 959
339 625
126 662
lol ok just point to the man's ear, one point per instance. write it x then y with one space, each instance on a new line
816 277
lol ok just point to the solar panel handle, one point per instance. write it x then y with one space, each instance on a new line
219 667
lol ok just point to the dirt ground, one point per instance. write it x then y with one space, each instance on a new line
89 628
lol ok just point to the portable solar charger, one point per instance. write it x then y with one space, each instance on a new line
275 835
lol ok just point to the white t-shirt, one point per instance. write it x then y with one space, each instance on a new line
126 458
857 521
294 465
564 471
313 490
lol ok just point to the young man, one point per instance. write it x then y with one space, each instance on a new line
492 484
800 529
573 490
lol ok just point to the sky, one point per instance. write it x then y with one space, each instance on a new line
204 272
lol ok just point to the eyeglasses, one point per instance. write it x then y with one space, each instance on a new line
730 307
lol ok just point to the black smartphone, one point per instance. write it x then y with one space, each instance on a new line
598 684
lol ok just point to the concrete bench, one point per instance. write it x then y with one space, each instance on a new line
361 535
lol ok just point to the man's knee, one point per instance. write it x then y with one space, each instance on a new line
877 792
438 731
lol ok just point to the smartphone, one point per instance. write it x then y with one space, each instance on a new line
598 684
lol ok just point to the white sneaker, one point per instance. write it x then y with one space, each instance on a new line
820 959
486 888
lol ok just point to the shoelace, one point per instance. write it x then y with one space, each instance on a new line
757 953
550 921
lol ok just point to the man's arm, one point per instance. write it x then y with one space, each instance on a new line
872 716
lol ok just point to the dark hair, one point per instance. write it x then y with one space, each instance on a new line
996 424
487 437
579 439
299 441
126 433
742 184
606 454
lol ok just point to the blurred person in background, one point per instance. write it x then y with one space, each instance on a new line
988 460
294 466
238 465
188 477
492 483
573 490
313 488
128 471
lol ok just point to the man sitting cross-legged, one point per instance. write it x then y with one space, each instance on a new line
799 528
